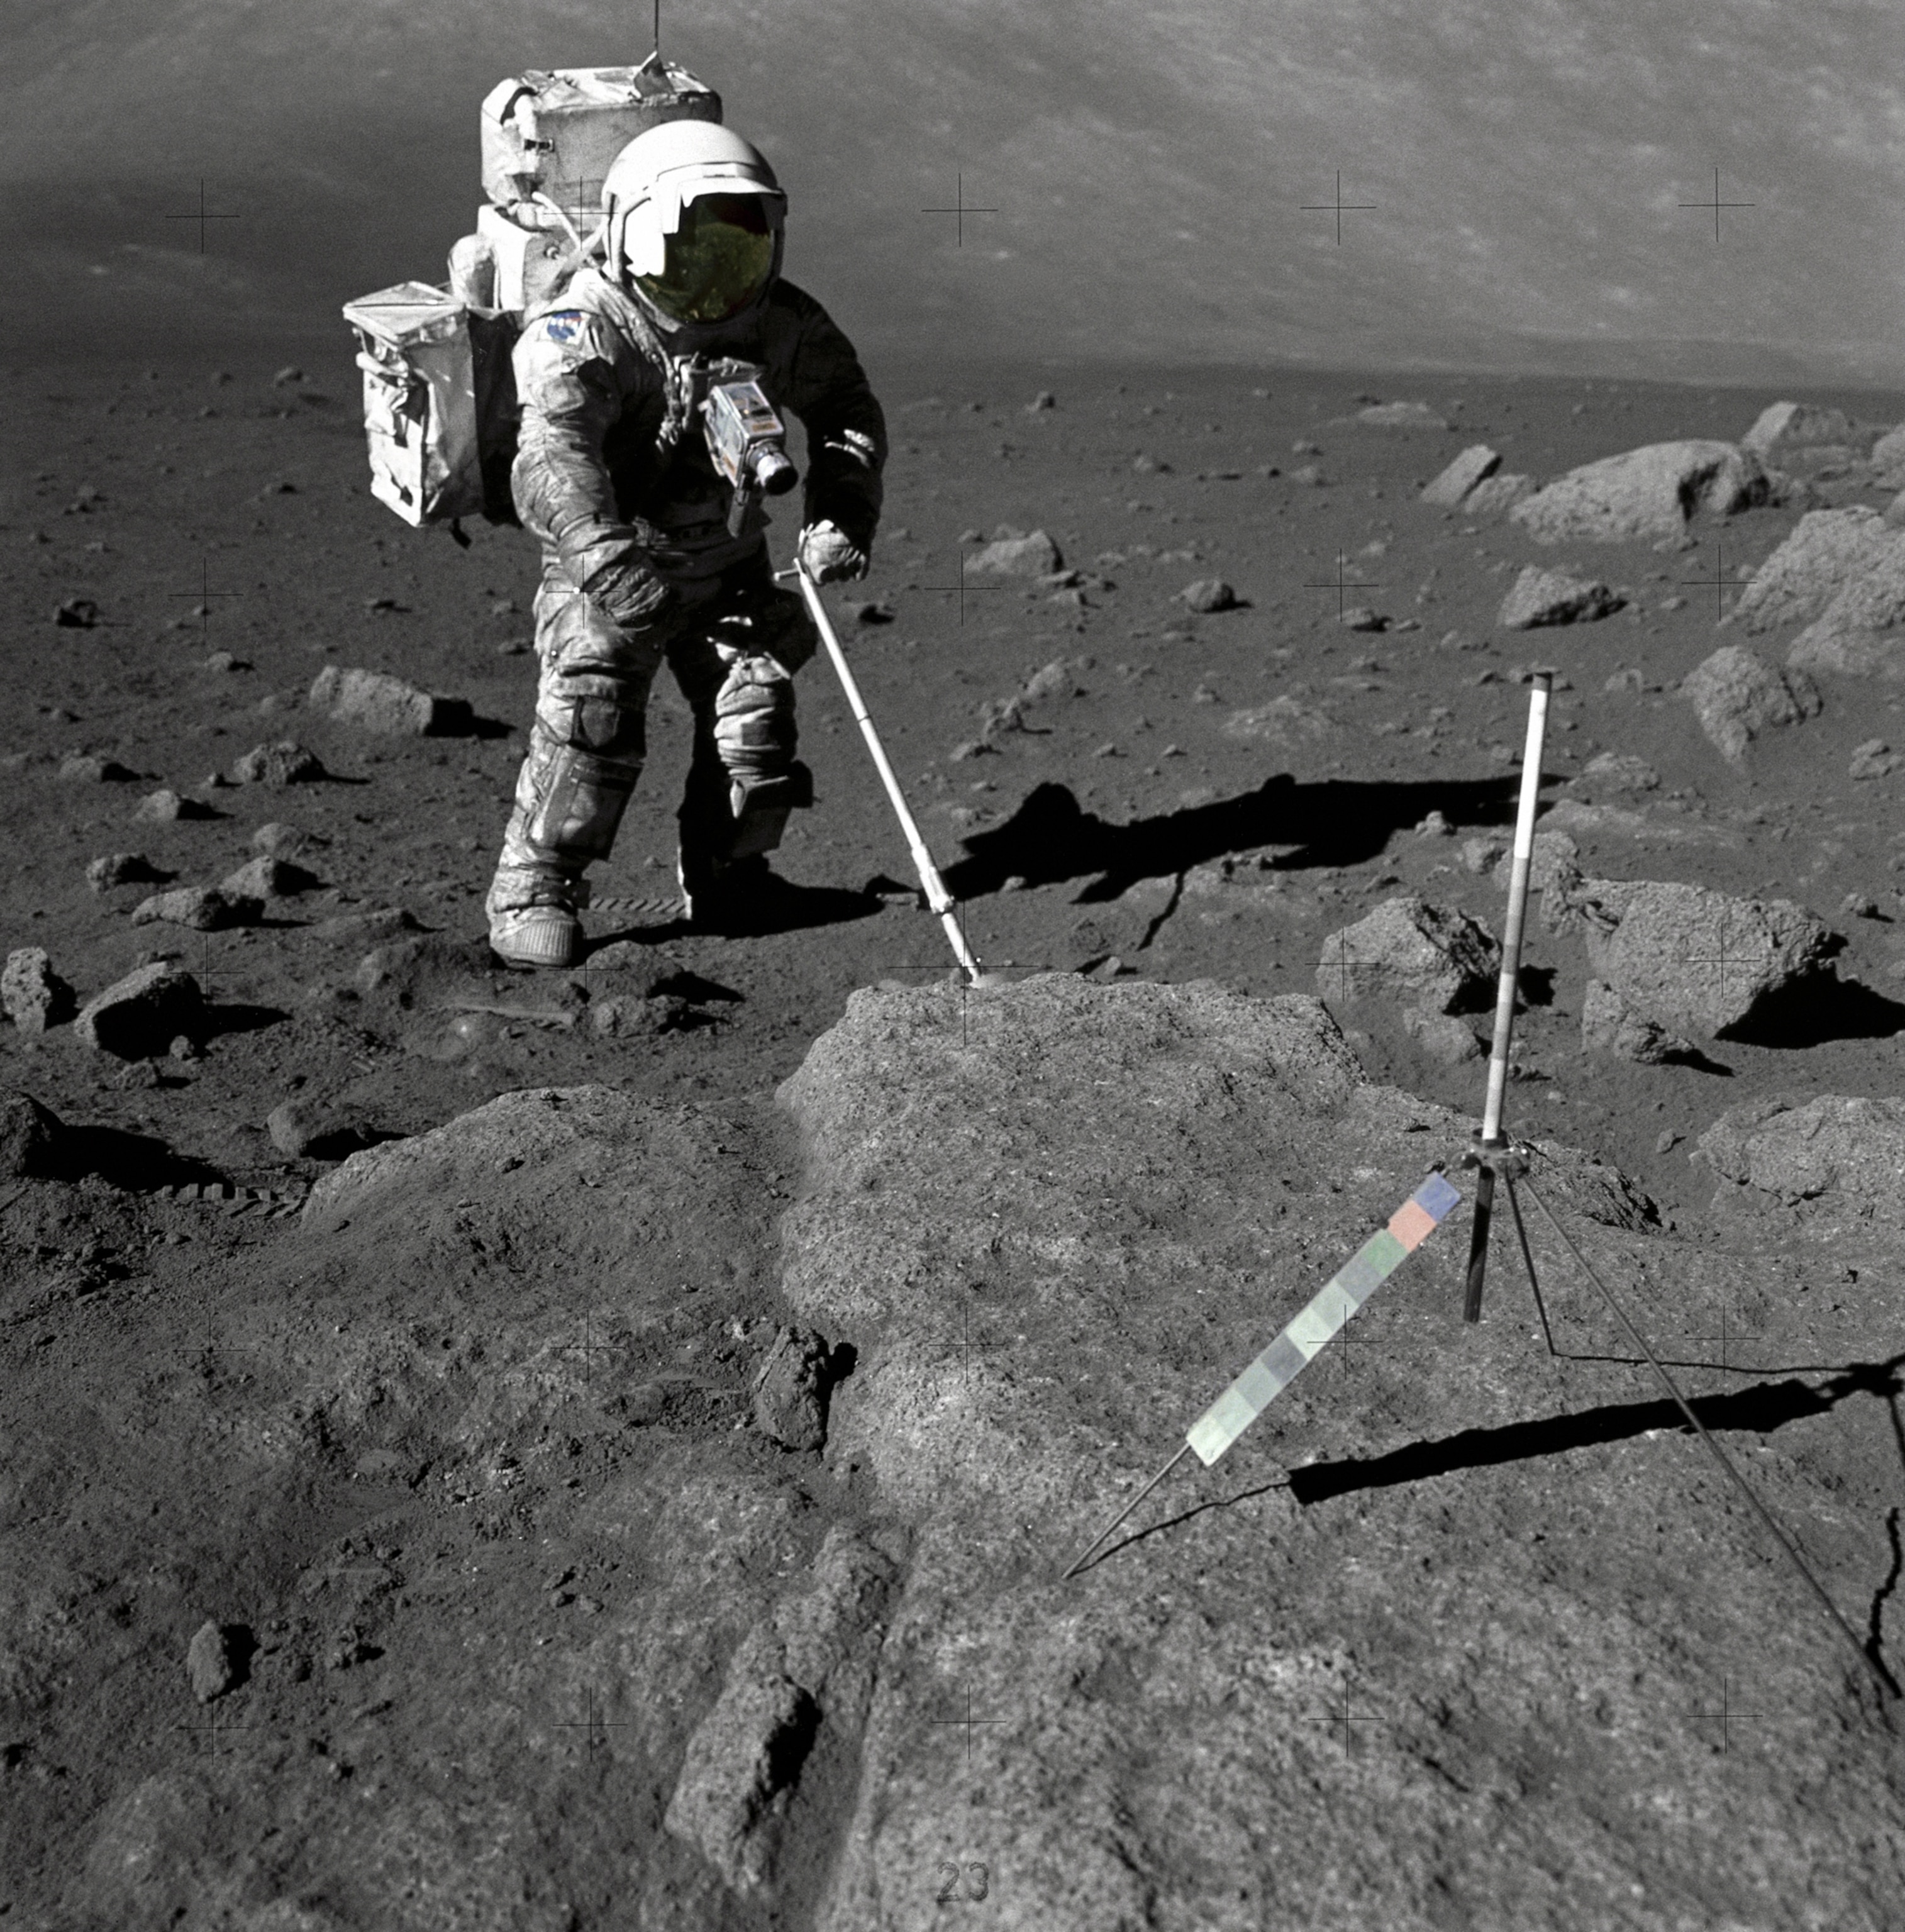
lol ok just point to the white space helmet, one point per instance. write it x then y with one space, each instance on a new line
694 223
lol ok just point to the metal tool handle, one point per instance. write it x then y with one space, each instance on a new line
1506 988
937 897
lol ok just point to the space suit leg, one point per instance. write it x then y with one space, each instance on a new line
744 781
586 749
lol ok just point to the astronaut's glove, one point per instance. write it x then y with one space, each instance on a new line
629 594
829 555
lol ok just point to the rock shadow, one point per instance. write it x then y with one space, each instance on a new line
1052 837
1809 1011
134 1163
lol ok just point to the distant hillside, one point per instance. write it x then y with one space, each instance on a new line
1524 166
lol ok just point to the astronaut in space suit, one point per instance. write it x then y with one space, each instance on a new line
614 475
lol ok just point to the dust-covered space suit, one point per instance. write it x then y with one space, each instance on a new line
639 568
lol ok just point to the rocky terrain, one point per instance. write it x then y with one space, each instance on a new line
486 1449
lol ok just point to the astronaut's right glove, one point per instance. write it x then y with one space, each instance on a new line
828 555
629 594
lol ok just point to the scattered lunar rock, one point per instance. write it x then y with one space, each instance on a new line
165 804
211 1663
1617 772
29 1134
635 1016
1874 759
1410 954
1402 415
1033 555
76 613
204 908
1653 491
1360 617
1209 594
1496 496
1833 1156
806 1669
1826 551
790 1389
285 763
405 966
86 768
286 841
380 923
1782 427
267 877
374 701
1609 1025
1736 696
321 1129
34 996
1551 597
140 1016
1849 652
1442 1037
1888 458
1475 464
1283 721
1698 963
124 869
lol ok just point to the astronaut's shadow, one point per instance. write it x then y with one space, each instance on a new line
784 907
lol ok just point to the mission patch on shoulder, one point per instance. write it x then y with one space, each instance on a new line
564 326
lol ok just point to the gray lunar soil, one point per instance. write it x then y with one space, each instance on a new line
486 1449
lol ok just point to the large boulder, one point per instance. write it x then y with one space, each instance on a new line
1842 1158
374 701
1410 954
1825 551
1652 492
141 1016
1781 429
1736 697
1687 960
203 908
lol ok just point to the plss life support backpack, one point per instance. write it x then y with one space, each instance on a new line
439 397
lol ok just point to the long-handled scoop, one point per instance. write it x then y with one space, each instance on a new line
937 897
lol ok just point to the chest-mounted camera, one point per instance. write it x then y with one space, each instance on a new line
747 442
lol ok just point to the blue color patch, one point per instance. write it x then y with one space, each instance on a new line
564 326
1436 1197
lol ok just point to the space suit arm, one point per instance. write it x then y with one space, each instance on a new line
846 428
571 399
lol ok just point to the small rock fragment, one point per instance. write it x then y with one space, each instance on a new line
286 841
1475 462
1736 696
29 1134
34 996
76 613
1033 555
1617 772
1360 617
1402 415
1209 594
204 908
1442 1037
266 877
381 923
210 1663
86 768
1609 1025
1874 759
124 869
285 763
790 1389
1551 597
374 702
308 1127
163 806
